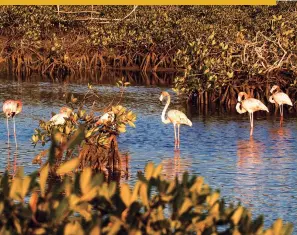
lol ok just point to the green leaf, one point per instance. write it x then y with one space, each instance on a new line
125 194
85 180
15 189
68 166
143 195
237 215
149 169
157 171
187 204
230 75
73 228
277 226
26 184
77 138
39 231
43 178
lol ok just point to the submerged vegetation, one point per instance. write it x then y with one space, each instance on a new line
223 49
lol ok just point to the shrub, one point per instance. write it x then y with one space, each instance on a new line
82 203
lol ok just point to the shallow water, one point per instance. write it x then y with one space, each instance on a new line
261 172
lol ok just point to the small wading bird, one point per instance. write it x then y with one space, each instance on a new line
175 117
59 119
279 98
107 117
11 108
250 105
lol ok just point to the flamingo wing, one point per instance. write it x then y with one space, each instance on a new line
178 117
282 98
10 107
59 119
252 105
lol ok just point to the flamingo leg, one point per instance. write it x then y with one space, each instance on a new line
8 148
282 114
7 131
175 138
252 123
178 130
15 163
14 132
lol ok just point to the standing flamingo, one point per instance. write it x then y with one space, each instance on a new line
280 98
59 119
250 105
175 117
11 108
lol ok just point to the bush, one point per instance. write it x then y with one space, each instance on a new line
82 203
98 141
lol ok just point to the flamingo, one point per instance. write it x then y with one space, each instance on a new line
107 117
280 98
175 117
59 119
250 105
11 108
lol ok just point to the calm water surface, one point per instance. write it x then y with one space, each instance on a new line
261 172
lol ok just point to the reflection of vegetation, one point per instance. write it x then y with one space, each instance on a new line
99 148
84 203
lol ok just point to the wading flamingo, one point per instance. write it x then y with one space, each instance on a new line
175 117
280 98
250 105
59 119
11 108
107 117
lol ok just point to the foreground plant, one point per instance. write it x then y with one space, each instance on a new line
82 203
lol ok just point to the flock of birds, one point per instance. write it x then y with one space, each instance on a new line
176 117
244 104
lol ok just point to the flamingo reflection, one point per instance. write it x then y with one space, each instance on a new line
280 137
249 151
176 166
248 183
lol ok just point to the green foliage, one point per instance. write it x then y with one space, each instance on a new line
84 203
220 43
83 126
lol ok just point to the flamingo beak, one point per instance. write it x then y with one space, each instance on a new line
161 98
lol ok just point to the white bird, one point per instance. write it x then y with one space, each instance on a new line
59 119
280 98
107 117
11 108
250 105
175 117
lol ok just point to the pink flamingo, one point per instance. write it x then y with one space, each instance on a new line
11 108
59 119
250 105
175 117
280 98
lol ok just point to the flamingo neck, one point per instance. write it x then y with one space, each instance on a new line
239 108
271 100
164 120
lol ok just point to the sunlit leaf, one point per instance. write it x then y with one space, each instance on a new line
43 178
68 166
126 194
237 215
149 169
